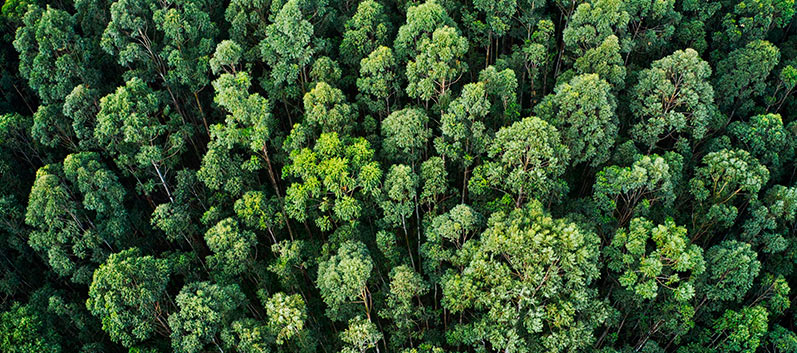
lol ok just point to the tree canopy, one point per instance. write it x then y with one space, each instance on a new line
410 176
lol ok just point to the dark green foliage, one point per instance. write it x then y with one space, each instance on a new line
415 176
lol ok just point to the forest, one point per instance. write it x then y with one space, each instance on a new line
409 176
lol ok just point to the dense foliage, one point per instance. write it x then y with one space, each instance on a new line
412 176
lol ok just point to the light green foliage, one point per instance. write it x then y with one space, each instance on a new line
378 82
343 281
623 192
232 248
438 65
203 310
128 294
226 57
364 32
287 49
434 183
249 122
248 126
326 70
526 284
326 110
400 195
604 60
501 87
742 76
422 21
525 162
334 178
464 135
673 97
77 214
360 336
256 210
583 111
290 259
742 331
724 180
671 267
247 336
731 267
405 135
592 22
286 316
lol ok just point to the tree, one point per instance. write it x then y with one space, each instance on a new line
422 21
247 336
446 235
246 133
287 315
169 40
140 131
604 60
526 160
651 28
287 50
525 285
405 135
203 309
343 281
592 22
583 110
673 98
742 76
334 179
731 267
233 249
501 87
497 15
752 20
464 136
128 294
248 21
326 110
771 219
724 180
620 193
671 267
405 285
765 137
378 82
360 336
52 71
71 232
437 66
364 32
24 330
434 183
